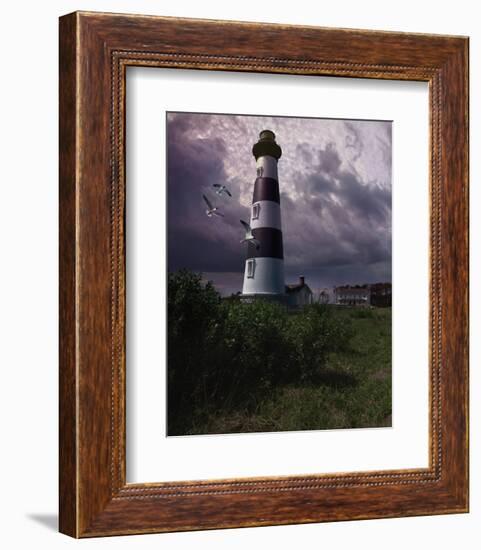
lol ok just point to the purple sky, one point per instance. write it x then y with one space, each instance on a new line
335 184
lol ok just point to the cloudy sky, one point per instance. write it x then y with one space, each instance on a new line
335 184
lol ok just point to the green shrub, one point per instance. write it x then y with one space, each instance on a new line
362 313
224 355
315 333
193 309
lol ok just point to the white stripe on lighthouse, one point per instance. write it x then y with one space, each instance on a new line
266 214
264 276
267 167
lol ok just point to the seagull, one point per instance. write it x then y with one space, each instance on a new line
222 189
249 238
212 209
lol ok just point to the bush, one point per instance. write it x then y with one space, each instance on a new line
253 346
224 355
362 313
315 333
193 310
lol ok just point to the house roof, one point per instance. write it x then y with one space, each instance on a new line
381 286
297 287
351 290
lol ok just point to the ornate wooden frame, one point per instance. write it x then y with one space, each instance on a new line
95 50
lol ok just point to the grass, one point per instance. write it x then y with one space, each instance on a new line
352 391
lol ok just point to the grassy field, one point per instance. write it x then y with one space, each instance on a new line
352 391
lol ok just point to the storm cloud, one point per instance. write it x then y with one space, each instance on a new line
335 183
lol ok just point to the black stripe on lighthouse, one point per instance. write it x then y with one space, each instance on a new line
270 244
266 189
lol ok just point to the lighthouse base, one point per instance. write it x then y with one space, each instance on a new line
264 276
281 299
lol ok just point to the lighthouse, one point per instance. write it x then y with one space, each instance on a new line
264 266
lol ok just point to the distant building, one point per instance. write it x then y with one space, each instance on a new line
299 294
381 294
352 295
376 294
324 296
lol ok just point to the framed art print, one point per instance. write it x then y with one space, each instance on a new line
263 274
346 169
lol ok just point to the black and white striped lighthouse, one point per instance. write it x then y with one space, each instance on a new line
264 267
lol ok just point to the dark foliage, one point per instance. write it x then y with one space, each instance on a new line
226 355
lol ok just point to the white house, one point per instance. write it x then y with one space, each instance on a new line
352 295
299 294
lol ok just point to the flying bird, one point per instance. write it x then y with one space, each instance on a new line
222 189
211 209
249 237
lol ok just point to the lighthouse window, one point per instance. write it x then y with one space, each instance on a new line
250 268
255 211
